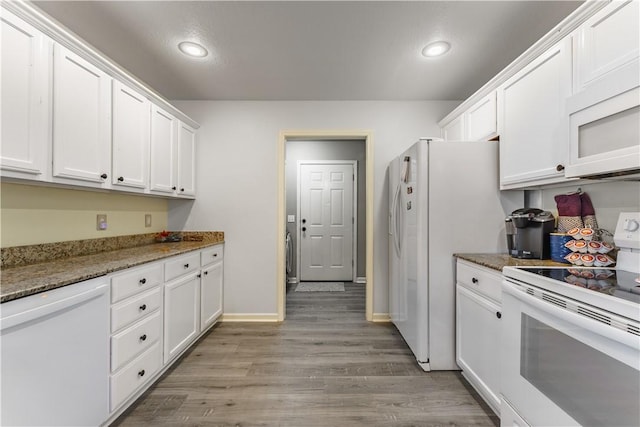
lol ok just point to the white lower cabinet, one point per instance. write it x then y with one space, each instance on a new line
135 375
182 314
478 314
211 286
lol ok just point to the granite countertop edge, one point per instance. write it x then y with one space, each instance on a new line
500 260
22 281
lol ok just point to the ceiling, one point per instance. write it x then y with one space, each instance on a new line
311 50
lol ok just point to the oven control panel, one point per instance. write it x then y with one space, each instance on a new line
627 233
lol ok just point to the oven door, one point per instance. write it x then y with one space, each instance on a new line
562 368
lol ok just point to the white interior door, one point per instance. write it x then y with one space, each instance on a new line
326 195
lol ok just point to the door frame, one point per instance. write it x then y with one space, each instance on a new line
281 217
354 212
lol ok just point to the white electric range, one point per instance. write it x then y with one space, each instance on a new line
571 341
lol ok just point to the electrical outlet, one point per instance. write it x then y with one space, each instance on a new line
101 222
147 220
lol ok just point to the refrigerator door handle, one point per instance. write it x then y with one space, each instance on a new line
396 220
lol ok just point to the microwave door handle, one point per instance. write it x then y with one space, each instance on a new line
599 328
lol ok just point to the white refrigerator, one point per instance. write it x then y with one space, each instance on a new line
444 198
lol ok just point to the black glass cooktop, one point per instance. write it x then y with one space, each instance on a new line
620 284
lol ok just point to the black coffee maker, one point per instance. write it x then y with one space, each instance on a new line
528 233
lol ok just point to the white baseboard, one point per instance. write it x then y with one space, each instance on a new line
361 280
381 318
250 317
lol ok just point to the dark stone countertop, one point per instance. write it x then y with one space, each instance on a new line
499 261
21 281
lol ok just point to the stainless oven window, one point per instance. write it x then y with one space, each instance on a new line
592 387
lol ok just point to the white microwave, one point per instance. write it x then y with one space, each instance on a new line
604 127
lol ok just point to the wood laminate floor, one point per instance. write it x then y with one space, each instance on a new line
324 366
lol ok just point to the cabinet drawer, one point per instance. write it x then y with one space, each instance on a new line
135 308
132 341
181 265
479 279
211 255
135 280
135 375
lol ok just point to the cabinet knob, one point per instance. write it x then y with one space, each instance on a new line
186 266
103 176
215 255
560 168
143 281
206 273
474 280
182 189
141 373
143 307
143 337
121 178
173 188
498 315
199 276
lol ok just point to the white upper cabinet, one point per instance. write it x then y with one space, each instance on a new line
481 121
606 42
81 120
186 161
131 133
164 135
26 62
532 120
604 113
454 131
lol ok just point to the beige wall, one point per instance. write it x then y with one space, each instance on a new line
32 214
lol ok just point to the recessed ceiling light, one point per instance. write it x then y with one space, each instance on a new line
193 49
436 49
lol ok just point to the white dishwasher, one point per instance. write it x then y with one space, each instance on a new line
55 357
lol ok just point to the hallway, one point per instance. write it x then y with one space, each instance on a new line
324 366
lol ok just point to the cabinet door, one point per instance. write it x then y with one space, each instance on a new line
181 314
606 42
454 131
481 119
164 134
131 130
211 294
81 119
24 97
532 121
186 161
478 343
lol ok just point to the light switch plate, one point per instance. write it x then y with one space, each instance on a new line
291 218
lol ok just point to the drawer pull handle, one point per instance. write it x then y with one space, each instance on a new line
143 307
474 280
186 266
143 337
498 315
143 281
141 373
206 273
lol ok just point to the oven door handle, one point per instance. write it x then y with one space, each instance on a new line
605 330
